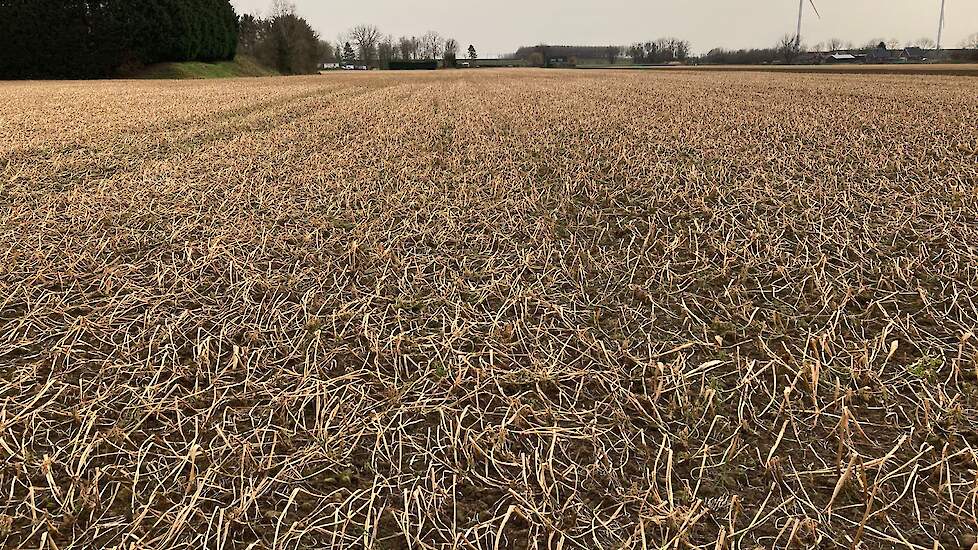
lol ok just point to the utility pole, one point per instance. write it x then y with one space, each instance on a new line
940 28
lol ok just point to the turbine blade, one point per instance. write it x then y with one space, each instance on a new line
816 9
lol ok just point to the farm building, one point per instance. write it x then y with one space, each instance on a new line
882 55
914 54
837 58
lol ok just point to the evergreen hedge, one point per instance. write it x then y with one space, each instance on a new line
95 38
425 65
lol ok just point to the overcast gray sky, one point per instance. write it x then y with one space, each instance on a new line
500 26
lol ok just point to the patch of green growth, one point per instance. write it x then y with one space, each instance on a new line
409 304
926 367
440 371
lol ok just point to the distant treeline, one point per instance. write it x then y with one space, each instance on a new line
98 38
787 50
367 45
663 50
543 54
875 51
753 56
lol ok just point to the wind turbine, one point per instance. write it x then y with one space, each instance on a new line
940 28
801 11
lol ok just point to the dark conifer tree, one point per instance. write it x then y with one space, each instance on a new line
96 38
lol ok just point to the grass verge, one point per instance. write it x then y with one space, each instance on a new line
242 66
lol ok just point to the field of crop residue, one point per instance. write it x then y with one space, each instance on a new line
490 310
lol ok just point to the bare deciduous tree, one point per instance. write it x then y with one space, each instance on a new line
280 8
681 49
451 52
788 48
874 44
408 47
431 45
451 47
365 37
386 51
924 42
326 52
663 46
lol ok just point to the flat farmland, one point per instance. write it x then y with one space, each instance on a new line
490 309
